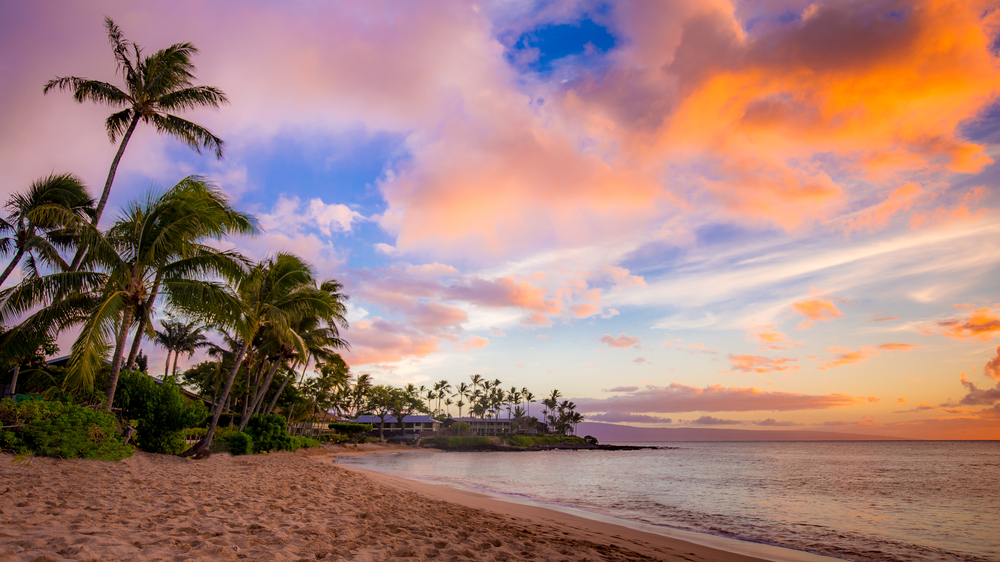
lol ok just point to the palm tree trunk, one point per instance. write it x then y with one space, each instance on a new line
116 363
166 368
13 380
137 339
274 401
173 374
259 396
107 189
225 393
13 263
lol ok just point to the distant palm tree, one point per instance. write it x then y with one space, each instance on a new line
462 391
32 229
528 399
155 87
191 337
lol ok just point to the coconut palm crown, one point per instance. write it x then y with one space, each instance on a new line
156 87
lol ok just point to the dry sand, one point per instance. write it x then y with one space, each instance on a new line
287 506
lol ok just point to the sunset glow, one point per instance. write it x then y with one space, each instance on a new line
758 215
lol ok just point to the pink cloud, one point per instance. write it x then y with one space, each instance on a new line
623 341
473 342
992 367
377 340
758 364
878 216
682 398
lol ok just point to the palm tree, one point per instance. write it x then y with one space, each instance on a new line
528 399
271 295
32 230
155 87
191 338
168 339
158 238
462 391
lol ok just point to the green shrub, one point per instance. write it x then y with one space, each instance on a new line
61 430
160 411
238 443
520 441
300 442
351 431
268 433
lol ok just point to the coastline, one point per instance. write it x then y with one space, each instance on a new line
660 543
294 506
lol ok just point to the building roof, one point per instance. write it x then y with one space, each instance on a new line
480 420
389 418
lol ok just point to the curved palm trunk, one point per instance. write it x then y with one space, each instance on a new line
140 330
277 394
13 263
261 391
13 379
166 368
173 374
107 189
225 394
116 363
302 378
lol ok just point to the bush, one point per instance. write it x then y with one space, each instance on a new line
268 433
520 441
590 440
351 431
238 443
160 411
300 442
61 430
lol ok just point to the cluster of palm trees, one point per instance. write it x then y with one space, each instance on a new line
486 399
161 251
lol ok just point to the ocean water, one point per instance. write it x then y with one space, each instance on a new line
863 501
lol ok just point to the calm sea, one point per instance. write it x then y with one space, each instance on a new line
870 501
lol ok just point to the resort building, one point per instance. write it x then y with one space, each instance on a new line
481 426
422 425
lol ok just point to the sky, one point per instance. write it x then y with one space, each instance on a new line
743 214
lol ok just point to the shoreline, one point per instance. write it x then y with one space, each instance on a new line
648 539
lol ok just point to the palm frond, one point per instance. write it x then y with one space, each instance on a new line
192 134
85 89
192 98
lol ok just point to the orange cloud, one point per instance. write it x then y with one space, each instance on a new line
758 364
981 325
771 338
847 356
816 310
623 341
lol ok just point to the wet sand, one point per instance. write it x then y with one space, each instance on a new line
290 506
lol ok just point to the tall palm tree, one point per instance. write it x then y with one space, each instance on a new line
31 229
156 86
191 338
271 295
528 399
462 391
158 238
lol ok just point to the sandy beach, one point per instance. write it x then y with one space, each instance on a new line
289 506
